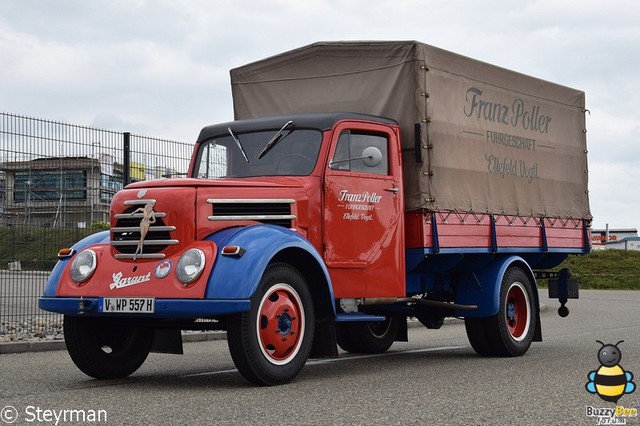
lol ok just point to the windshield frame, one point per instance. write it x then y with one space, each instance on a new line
295 154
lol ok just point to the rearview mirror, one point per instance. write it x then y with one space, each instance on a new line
371 156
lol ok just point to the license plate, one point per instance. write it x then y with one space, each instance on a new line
141 305
572 289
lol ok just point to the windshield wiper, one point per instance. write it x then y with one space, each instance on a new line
244 154
274 140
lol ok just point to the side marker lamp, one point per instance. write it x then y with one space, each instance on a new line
235 251
65 252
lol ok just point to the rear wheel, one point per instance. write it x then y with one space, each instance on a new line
510 332
106 350
476 332
369 337
271 342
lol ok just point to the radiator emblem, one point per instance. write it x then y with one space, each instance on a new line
163 269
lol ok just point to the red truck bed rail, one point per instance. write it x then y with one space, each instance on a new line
442 230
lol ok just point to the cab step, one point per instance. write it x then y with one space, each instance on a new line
358 316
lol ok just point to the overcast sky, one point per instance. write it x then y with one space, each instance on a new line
161 67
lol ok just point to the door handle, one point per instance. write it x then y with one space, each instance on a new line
395 189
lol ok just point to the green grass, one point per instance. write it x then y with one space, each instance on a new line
606 269
37 248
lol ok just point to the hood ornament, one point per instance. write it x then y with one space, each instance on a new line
148 217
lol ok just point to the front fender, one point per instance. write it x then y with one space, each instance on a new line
236 277
54 278
482 288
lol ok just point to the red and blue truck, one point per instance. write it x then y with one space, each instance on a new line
361 184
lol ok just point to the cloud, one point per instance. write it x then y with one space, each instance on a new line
611 186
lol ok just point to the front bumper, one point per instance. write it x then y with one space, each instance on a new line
165 308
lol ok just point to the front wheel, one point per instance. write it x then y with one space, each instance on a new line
106 350
511 331
271 342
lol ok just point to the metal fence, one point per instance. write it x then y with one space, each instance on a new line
56 184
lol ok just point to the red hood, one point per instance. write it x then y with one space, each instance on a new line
187 203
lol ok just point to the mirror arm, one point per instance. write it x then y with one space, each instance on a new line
348 160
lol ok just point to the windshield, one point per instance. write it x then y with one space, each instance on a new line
294 154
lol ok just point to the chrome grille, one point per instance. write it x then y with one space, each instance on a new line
270 211
126 234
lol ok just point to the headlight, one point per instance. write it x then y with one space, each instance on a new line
83 266
190 266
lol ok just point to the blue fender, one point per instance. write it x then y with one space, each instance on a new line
482 288
235 277
54 278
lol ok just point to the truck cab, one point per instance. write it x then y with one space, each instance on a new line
341 177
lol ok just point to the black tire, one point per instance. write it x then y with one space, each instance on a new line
271 342
371 337
106 350
344 340
476 332
511 331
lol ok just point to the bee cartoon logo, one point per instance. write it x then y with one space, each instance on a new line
610 381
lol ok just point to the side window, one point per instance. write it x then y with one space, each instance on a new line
213 161
362 153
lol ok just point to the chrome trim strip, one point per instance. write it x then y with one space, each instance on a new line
137 228
140 256
146 243
137 215
254 217
141 201
250 201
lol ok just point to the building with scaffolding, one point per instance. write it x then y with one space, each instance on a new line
63 191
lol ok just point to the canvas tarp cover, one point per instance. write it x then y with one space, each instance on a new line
490 140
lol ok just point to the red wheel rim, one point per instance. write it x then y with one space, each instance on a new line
518 311
280 324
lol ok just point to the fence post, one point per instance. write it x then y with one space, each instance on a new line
126 153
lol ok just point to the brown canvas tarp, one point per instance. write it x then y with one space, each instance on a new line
490 139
